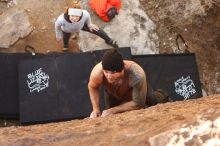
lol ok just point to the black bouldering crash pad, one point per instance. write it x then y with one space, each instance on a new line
176 74
9 83
54 88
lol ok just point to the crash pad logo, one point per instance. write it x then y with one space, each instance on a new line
185 87
38 80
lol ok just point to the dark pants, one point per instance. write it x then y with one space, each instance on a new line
151 99
100 33
110 101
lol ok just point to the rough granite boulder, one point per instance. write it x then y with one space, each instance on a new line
190 122
13 25
130 28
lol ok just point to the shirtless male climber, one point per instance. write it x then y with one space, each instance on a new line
124 83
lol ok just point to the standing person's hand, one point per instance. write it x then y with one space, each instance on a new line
93 27
95 114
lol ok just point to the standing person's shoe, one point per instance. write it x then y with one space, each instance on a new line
65 49
112 43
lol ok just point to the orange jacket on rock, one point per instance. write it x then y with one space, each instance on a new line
101 7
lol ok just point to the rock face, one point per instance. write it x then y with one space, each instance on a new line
191 122
131 27
203 132
13 25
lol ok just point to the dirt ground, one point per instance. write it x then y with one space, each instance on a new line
202 34
42 15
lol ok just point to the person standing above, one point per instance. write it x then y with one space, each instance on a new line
124 82
75 19
105 9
